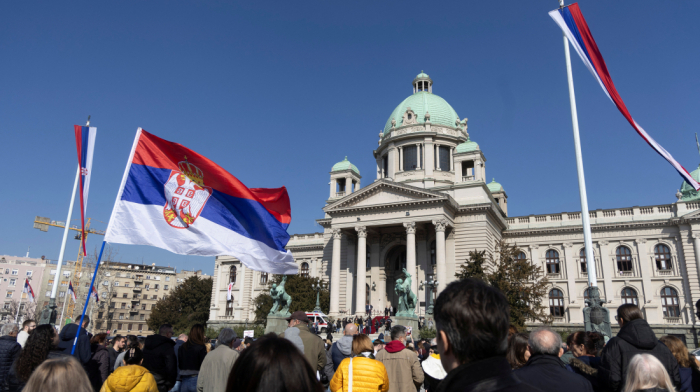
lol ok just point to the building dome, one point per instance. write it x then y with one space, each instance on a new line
345 165
467 146
494 186
687 191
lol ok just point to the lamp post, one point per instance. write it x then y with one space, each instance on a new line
318 286
430 285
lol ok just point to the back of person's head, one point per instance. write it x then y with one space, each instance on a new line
165 329
350 329
142 342
544 341
398 332
598 341
133 356
9 329
579 338
678 349
182 336
517 346
35 351
474 318
86 321
248 341
512 330
64 374
226 337
362 343
196 336
645 372
100 339
629 312
132 341
272 364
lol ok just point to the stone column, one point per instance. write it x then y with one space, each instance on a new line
452 164
348 185
696 246
411 254
437 157
333 185
335 273
241 278
440 226
400 158
418 156
360 300
391 156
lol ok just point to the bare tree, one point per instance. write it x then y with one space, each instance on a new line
27 310
103 286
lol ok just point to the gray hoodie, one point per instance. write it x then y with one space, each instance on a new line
292 334
339 350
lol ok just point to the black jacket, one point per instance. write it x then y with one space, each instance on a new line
635 337
113 354
587 367
159 359
191 356
12 383
492 375
9 351
82 349
549 373
98 366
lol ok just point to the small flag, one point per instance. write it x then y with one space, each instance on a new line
94 295
571 21
229 296
85 141
28 290
71 291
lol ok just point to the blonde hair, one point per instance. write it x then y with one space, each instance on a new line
361 344
63 374
645 371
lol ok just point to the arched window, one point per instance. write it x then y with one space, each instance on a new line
624 259
400 262
432 253
229 307
582 259
556 303
305 270
663 257
552 257
521 256
629 296
669 302
263 278
232 275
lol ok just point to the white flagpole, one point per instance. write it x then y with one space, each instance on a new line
60 321
18 307
65 237
585 218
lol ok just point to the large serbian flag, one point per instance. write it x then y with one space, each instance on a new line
571 21
175 199
85 141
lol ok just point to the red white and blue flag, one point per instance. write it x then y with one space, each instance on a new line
176 199
28 290
571 21
71 292
85 140
93 294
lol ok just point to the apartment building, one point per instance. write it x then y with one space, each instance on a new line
13 271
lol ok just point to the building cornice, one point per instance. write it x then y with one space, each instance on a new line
579 228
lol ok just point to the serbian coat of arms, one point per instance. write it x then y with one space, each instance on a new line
185 195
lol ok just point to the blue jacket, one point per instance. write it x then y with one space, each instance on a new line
82 349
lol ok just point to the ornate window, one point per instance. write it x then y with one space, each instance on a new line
232 275
229 307
432 253
305 270
556 303
670 303
521 256
552 257
663 257
263 278
411 158
624 259
444 158
629 296
582 259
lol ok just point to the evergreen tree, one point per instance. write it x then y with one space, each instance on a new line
186 305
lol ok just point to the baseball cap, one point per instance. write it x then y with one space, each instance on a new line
298 315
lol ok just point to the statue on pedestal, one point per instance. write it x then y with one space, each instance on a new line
280 299
596 318
407 299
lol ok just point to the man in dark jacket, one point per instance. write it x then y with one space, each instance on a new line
179 342
339 350
9 348
545 370
472 337
159 358
114 349
635 337
82 349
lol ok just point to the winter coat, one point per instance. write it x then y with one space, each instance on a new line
340 350
548 373
367 375
82 350
113 354
9 351
690 380
492 374
434 372
216 368
191 356
178 343
130 378
405 373
314 350
635 337
588 368
159 359
12 383
98 366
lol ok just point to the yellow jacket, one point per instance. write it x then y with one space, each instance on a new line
367 375
130 378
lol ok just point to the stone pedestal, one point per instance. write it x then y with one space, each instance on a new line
276 324
408 322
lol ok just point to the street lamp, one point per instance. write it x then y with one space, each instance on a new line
430 284
318 286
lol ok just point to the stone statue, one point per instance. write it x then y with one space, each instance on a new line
280 299
407 299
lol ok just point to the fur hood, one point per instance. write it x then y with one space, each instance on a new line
581 367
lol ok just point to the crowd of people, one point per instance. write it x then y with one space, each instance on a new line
476 349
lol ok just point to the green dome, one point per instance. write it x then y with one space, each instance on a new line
690 194
467 146
441 113
345 165
494 186
422 75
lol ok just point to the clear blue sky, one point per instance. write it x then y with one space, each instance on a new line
277 92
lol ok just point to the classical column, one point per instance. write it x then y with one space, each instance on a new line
333 185
241 278
418 156
437 157
335 273
360 300
411 254
696 245
440 226
452 168
400 158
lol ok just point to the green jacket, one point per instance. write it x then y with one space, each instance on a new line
314 349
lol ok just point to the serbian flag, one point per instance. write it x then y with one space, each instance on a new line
229 292
571 21
176 199
93 294
28 289
85 140
71 292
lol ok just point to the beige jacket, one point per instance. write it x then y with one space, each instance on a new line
403 367
215 369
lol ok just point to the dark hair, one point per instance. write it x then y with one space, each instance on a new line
35 351
397 331
196 336
27 322
165 328
133 356
132 341
99 339
517 345
272 364
629 312
85 320
248 340
580 337
475 317
116 339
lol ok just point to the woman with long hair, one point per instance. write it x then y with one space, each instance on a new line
585 362
131 342
98 366
360 372
131 376
272 364
41 345
60 374
646 373
687 365
190 357
518 351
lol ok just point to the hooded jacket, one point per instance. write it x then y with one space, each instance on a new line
98 366
314 349
491 374
9 351
587 367
82 350
130 378
367 375
635 337
159 359
403 367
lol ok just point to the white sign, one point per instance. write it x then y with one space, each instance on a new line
248 334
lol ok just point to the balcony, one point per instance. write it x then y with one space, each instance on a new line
467 178
666 272
134 311
339 194
626 273
137 289
673 320
138 279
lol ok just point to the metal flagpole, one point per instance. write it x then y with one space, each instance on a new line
87 300
18 306
64 310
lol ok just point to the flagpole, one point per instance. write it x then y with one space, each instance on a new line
63 311
87 300
18 306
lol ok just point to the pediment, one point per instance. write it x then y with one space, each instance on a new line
385 193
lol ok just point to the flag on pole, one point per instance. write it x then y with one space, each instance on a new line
71 292
228 293
28 290
571 21
176 199
93 294
85 140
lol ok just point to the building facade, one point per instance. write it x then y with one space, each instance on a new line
13 272
431 204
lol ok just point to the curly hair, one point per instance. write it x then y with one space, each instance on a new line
35 351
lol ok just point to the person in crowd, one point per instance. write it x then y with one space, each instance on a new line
190 356
367 374
159 358
27 328
248 341
584 361
98 366
313 348
544 369
635 337
405 373
217 365
687 365
378 346
272 364
40 346
67 336
131 341
239 345
471 320
646 373
433 369
9 348
64 374
181 339
115 349
131 377
518 352
339 350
